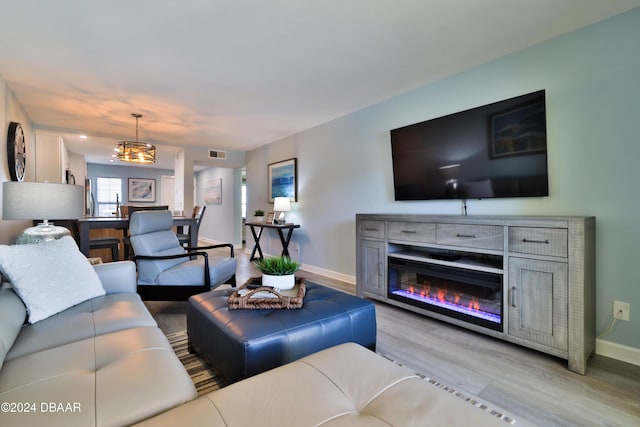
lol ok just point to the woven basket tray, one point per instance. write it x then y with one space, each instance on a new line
266 297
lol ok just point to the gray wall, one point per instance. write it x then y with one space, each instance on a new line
12 111
221 222
591 79
126 172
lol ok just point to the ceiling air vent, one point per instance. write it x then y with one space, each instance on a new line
217 154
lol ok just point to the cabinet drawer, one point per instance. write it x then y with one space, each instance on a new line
373 229
539 241
471 236
412 231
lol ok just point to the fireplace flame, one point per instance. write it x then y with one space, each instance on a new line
474 304
444 296
442 293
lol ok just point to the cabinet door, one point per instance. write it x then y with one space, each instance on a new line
49 159
373 271
538 301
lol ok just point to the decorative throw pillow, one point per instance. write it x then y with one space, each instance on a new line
49 277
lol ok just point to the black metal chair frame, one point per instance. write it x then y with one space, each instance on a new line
178 292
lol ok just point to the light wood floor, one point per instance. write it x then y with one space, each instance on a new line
529 385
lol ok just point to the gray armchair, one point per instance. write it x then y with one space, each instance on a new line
166 270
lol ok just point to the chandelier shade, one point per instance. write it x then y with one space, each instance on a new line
136 151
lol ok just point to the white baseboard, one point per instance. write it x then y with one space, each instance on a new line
329 273
618 352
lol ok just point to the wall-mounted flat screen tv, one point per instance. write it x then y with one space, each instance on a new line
496 150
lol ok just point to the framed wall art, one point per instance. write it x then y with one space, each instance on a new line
283 180
142 190
518 131
213 191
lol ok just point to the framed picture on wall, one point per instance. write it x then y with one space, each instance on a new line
213 191
283 180
518 131
142 190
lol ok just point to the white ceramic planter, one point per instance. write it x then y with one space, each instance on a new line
279 282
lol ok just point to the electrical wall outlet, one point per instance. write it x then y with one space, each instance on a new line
621 310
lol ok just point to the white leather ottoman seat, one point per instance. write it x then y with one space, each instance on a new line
346 385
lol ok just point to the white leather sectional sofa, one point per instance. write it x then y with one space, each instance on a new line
103 362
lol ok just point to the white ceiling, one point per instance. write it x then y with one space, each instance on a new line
237 74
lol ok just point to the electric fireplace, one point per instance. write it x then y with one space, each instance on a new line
469 295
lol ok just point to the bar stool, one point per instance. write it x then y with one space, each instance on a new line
106 243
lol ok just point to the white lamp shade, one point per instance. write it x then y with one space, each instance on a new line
42 200
281 204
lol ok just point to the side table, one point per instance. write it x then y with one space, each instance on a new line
258 227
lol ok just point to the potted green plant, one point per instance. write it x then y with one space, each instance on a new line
278 272
258 214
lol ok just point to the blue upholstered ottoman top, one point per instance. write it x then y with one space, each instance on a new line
320 304
243 342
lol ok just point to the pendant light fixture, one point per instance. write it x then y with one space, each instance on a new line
136 152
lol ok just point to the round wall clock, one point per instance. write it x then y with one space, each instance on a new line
16 152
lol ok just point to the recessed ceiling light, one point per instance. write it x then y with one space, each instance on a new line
83 136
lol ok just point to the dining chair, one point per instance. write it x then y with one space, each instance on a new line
185 238
132 208
112 243
166 271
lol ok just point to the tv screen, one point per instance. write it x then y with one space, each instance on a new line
496 150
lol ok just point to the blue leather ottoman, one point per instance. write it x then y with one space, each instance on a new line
242 343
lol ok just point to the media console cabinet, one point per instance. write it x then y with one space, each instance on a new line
528 280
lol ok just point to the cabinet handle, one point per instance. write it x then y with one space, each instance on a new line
546 242
380 266
371 229
409 231
466 236
512 297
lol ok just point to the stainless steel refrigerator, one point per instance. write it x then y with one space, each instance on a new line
89 201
